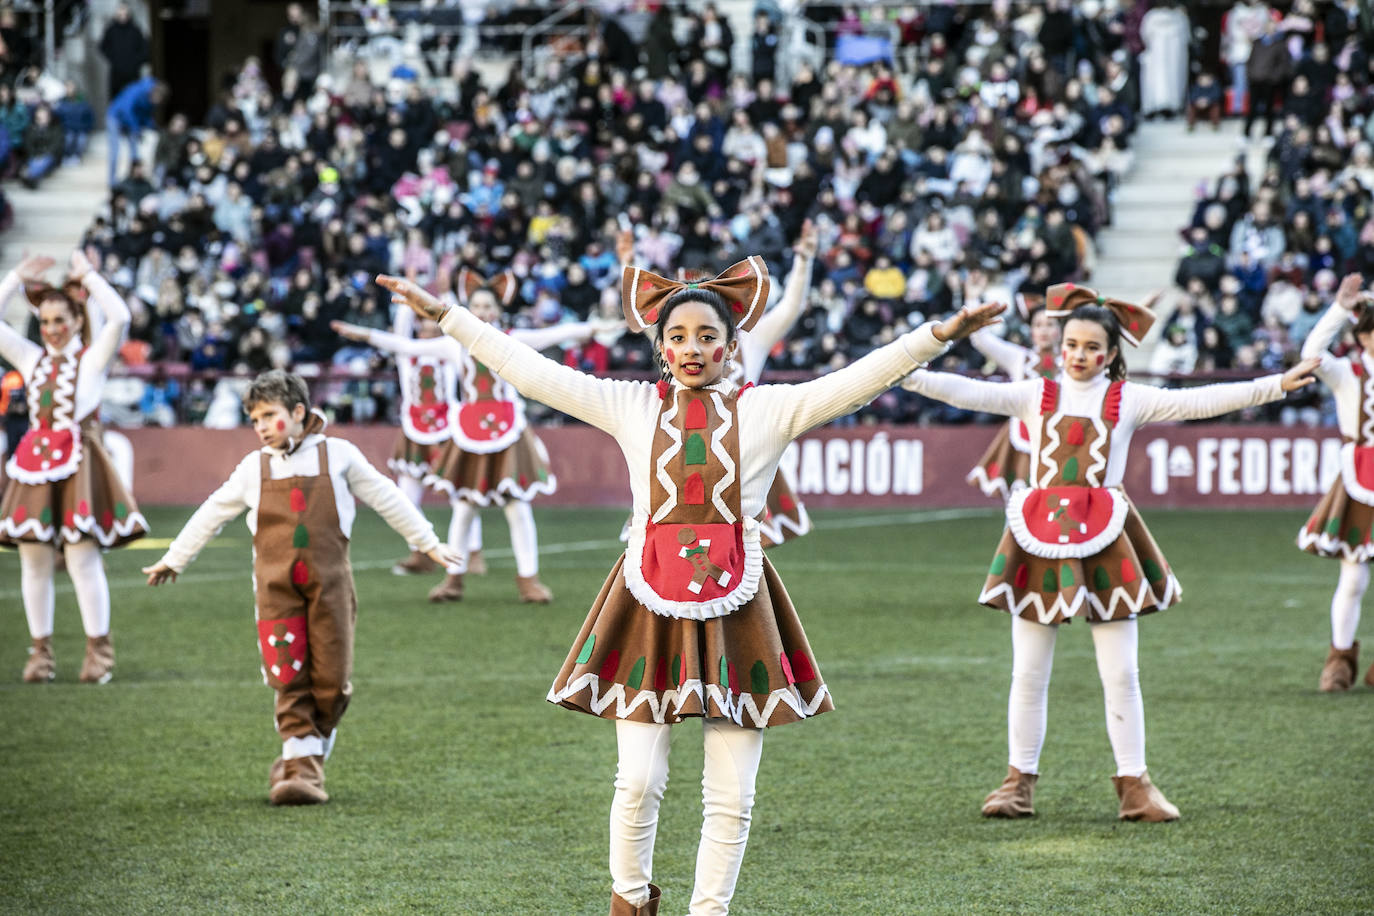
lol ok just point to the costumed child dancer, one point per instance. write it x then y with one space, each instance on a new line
299 491
1074 545
692 620
429 409
492 456
63 491
1340 525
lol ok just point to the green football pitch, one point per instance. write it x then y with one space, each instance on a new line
457 789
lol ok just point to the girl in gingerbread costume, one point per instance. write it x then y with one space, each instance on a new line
492 457
63 491
692 621
1340 525
1074 545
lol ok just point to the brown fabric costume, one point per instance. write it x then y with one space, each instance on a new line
306 606
1007 459
751 665
1340 526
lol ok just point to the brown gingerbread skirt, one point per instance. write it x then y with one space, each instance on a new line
1001 466
753 666
1339 527
785 517
519 472
92 503
413 459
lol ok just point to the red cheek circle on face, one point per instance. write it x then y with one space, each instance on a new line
718 355
281 426
672 357
1101 359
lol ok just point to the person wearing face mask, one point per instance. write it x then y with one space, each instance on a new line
1340 525
693 621
64 492
1074 546
490 455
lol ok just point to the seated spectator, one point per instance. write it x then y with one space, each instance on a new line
77 118
43 144
1204 101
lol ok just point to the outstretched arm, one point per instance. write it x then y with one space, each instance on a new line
1007 355
16 349
1010 399
1333 321
558 334
443 347
223 506
1148 404
387 500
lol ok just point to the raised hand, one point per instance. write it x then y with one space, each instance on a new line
1350 293
33 268
159 574
1300 376
968 319
625 246
807 241
349 331
405 292
81 265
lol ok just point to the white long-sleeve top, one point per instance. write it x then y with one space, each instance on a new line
770 416
1336 373
1140 404
1016 361
350 473
23 354
755 345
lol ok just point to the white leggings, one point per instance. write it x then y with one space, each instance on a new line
524 539
87 570
414 490
727 796
1032 650
1345 603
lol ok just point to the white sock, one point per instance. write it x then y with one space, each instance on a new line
411 487
463 514
1117 645
524 540
87 569
475 533
1345 603
727 801
640 778
1032 659
35 576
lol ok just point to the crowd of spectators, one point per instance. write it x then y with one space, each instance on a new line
1264 253
986 138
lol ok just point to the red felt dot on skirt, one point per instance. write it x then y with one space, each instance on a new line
300 573
994 469
801 666
1022 576
1127 570
83 508
661 674
524 480
69 518
734 678
20 513
106 519
297 500
786 668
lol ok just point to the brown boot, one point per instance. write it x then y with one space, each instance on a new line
532 590
621 907
98 666
275 774
1142 801
477 564
1369 676
40 668
1339 671
451 589
302 783
417 564
1013 798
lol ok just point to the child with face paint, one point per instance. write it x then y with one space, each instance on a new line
492 457
300 491
1340 525
1075 546
692 621
64 492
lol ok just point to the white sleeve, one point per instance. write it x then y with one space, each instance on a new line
117 320
1141 404
798 408
386 499
1332 322
403 325
1007 355
16 349
1010 399
604 403
223 506
554 335
413 346
777 321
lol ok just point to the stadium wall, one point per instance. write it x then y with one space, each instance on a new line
1192 466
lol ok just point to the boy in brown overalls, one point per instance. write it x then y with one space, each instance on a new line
299 491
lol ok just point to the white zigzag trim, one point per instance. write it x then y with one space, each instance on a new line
1367 430
25 528
1045 614
1353 487
1119 595
773 528
1016 521
1329 546
497 496
665 423
737 597
735 709
991 486
86 525
725 460
408 468
1049 441
1091 475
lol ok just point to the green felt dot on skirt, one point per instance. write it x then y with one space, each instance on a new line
1153 572
999 563
758 677
1050 583
636 674
46 515
1070 469
1353 536
1102 580
121 511
586 653
1066 579
1333 527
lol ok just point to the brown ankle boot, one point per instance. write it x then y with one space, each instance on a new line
40 668
417 564
275 774
98 666
451 589
1369 676
621 907
477 564
1141 800
532 590
1339 671
1013 798
302 783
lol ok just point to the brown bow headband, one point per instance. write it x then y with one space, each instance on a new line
743 286
71 290
1135 320
502 286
